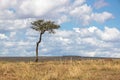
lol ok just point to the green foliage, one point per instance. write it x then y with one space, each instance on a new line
42 26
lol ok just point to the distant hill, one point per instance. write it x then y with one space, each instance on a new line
50 58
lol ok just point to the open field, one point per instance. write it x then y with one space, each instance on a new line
67 69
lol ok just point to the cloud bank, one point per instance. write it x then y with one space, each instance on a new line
56 10
90 41
17 39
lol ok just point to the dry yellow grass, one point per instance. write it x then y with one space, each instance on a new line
61 70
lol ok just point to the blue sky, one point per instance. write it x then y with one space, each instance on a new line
88 27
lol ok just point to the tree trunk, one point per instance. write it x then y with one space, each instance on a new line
37 46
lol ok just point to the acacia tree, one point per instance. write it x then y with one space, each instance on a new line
42 26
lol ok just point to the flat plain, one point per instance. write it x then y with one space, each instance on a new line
59 68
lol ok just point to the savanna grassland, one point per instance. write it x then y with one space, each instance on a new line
99 69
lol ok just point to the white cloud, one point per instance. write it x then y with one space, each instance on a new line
110 34
85 14
4 4
102 17
80 10
100 3
92 29
39 8
3 36
63 19
82 13
15 24
78 2
9 14
7 9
